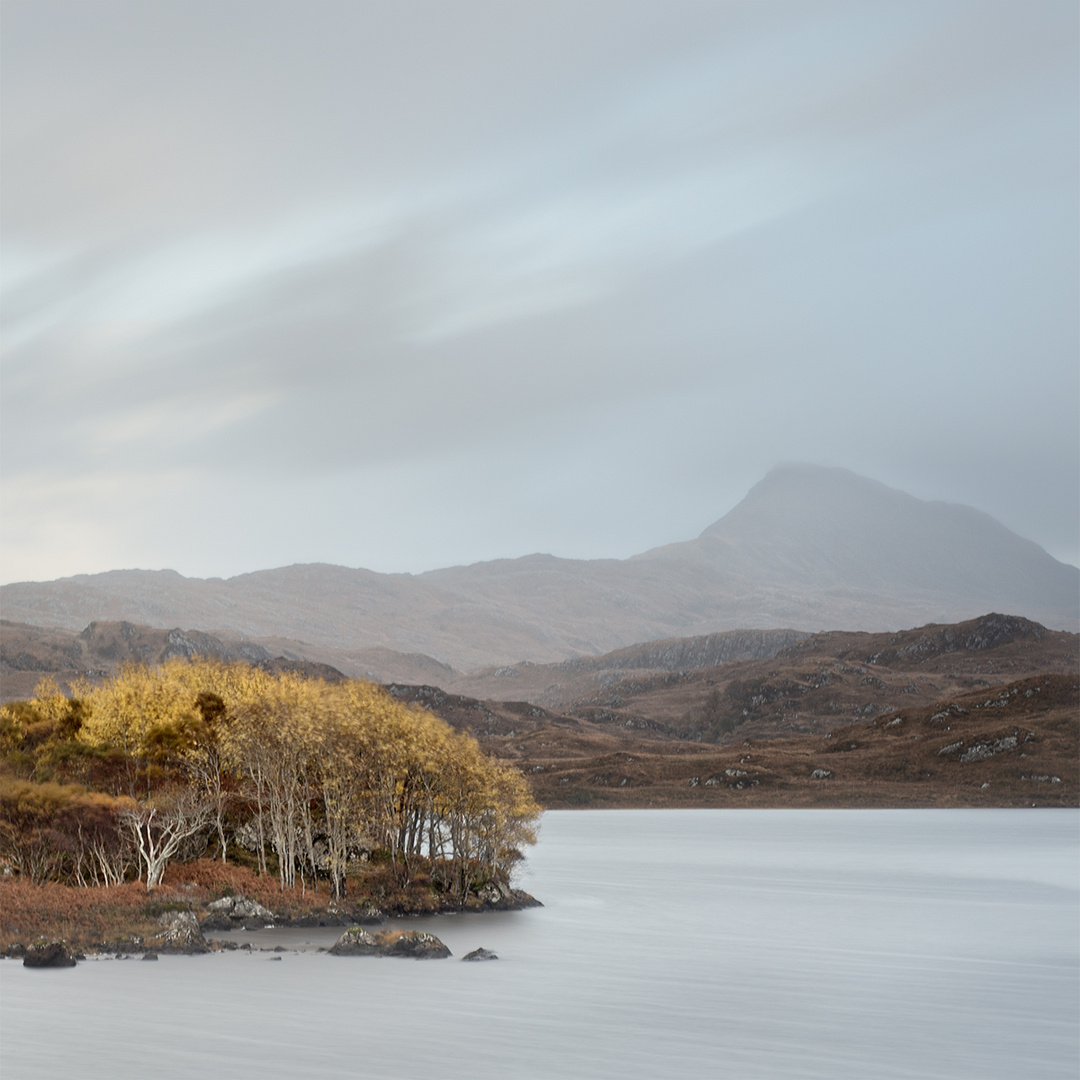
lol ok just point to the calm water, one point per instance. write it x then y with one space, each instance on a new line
771 944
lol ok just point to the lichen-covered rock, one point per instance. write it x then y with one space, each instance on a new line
498 896
480 954
494 892
414 943
231 911
181 934
983 750
356 941
53 954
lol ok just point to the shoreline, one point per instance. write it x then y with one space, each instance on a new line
208 898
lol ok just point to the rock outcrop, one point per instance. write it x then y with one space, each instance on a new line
234 912
181 934
498 896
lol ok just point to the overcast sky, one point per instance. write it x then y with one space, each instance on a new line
401 285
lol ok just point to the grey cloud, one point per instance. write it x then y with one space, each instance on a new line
349 237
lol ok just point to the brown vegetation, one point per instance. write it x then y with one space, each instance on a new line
1017 745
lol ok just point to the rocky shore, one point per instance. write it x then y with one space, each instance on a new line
182 929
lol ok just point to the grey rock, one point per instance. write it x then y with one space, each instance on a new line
980 751
356 941
821 774
216 921
480 954
240 908
413 943
182 934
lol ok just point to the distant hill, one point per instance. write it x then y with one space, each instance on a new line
808 548
29 653
978 713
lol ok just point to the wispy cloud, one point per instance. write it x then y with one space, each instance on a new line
342 242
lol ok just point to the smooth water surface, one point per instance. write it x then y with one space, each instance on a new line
766 943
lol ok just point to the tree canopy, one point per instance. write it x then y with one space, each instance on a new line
308 778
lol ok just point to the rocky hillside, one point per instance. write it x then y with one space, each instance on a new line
808 548
27 653
982 713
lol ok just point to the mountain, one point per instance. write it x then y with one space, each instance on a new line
809 548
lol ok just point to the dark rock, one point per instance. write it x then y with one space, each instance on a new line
16 950
150 956
55 954
327 918
480 954
522 899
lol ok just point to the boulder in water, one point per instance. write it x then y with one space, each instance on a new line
54 954
356 941
415 943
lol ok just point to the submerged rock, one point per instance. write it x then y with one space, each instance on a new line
54 954
480 954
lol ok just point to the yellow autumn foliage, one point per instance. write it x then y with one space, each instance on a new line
323 771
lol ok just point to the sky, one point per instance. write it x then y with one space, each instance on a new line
411 284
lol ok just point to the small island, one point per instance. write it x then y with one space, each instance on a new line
198 796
